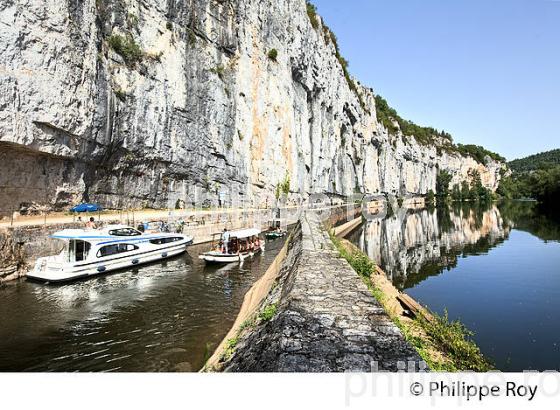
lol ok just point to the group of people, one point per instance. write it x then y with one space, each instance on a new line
229 245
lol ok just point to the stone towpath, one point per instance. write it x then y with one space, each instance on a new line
327 319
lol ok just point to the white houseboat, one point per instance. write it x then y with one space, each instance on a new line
241 245
91 252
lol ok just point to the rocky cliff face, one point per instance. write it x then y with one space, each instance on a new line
191 99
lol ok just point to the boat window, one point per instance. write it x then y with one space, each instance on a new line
125 232
163 241
115 249
78 250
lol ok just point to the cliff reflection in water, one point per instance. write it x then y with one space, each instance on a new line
412 245
508 295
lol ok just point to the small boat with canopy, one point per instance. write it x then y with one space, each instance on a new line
238 246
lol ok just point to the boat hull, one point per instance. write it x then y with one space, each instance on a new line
89 269
275 235
217 258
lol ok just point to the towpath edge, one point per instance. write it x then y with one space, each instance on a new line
318 316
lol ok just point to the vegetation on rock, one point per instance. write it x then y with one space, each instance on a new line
312 14
479 153
329 36
443 344
390 119
273 55
268 312
283 187
473 191
126 48
219 70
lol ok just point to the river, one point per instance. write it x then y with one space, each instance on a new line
167 316
494 267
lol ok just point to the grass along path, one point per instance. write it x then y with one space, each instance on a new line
444 345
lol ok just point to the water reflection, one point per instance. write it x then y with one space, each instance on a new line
544 223
160 317
413 244
496 268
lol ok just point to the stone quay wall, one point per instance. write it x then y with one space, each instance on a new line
325 319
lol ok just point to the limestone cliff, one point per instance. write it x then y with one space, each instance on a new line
133 102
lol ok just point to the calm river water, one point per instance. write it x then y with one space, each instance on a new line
161 317
496 268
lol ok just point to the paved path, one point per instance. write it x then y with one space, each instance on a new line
327 320
141 215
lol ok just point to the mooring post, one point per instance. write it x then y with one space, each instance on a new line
12 219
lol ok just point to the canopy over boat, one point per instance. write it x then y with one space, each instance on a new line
244 233
92 235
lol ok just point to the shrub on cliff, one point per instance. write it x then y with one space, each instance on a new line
126 48
312 14
273 55
479 153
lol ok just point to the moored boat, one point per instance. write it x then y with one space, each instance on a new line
275 234
238 246
92 252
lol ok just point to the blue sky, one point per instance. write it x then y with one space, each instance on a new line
486 71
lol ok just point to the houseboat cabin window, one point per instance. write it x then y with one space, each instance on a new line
163 241
125 232
78 250
115 249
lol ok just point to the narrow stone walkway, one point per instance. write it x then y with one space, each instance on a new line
327 319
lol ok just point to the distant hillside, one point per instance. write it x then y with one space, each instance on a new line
537 177
537 161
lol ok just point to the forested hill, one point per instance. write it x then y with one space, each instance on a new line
537 176
537 161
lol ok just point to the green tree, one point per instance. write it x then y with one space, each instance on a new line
442 184
456 193
465 190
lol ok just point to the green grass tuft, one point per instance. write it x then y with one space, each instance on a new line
452 339
268 312
231 345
